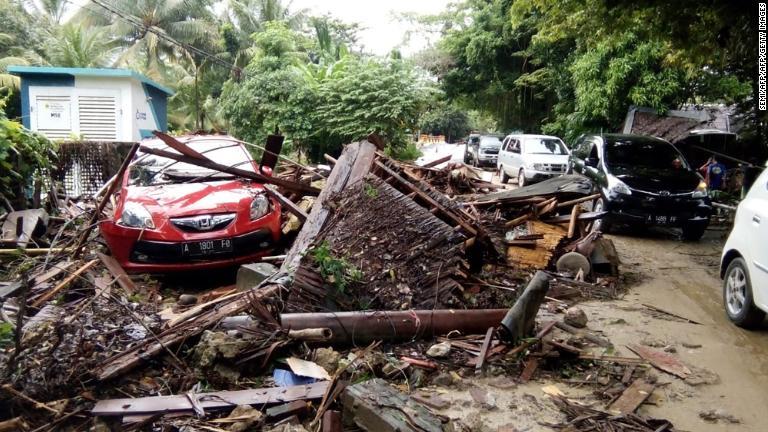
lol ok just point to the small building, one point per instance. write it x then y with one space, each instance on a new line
91 104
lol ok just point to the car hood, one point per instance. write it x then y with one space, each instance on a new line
186 199
546 159
655 180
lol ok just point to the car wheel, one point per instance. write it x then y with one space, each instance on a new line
503 175
602 224
737 296
694 231
521 178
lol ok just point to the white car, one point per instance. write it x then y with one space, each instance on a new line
531 158
744 264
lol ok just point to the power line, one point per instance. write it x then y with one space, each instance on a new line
134 21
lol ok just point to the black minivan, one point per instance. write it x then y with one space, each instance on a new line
643 181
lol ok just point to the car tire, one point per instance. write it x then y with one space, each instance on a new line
737 296
467 159
503 175
521 178
603 224
694 231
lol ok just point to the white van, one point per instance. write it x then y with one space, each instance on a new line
531 158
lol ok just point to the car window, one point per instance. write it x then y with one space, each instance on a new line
644 153
514 146
505 144
547 146
490 142
148 169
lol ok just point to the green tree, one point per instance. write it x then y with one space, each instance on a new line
444 119
72 45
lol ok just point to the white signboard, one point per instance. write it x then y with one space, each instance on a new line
53 112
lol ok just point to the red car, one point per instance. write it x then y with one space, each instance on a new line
172 216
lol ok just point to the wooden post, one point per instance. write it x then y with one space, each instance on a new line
104 200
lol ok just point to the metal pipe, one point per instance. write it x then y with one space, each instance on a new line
365 327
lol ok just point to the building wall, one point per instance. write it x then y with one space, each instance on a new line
92 108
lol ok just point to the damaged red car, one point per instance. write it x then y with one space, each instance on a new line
173 216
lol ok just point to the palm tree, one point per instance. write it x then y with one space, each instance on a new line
51 10
73 45
154 32
243 18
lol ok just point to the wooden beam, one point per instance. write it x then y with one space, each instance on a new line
484 349
179 146
63 284
437 162
578 200
288 204
205 163
632 398
104 200
186 403
117 272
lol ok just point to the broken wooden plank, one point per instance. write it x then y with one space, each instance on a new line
63 284
632 397
531 365
332 421
117 272
208 401
205 163
437 161
574 219
104 200
578 200
336 182
32 251
484 349
586 216
666 312
661 360
288 204
375 406
298 407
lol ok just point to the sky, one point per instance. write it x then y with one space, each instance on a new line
382 30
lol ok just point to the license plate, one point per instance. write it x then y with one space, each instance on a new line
661 219
207 247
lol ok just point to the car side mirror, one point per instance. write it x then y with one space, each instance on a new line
591 162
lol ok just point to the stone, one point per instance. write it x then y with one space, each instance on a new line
718 414
251 275
439 350
216 345
328 359
691 345
187 300
575 317
572 262
443 379
247 416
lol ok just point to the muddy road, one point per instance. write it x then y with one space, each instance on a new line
683 278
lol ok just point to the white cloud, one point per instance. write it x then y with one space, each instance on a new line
383 31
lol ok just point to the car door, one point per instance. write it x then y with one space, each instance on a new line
592 166
754 217
578 155
504 154
515 161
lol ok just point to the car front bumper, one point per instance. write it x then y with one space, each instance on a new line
649 210
535 175
487 159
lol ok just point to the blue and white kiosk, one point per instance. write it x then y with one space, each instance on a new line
93 104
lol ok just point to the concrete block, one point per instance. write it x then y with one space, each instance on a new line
250 275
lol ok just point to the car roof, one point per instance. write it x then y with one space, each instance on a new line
614 137
534 136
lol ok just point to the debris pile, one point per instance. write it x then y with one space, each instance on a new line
413 276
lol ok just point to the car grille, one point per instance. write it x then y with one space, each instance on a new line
203 223
490 151
557 168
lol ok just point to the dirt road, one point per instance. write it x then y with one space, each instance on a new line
683 278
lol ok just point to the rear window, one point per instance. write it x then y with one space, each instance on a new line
150 169
644 153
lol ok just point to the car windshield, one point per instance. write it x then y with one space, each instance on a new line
490 142
150 170
644 153
550 146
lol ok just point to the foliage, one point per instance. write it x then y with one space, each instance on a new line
6 334
74 46
336 271
444 119
409 152
24 156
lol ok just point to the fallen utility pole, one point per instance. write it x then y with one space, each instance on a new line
368 326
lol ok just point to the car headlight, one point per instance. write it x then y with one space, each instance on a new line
701 190
537 166
617 187
259 206
136 216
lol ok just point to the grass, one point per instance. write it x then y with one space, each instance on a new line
337 271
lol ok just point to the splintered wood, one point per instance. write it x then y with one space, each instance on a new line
541 255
